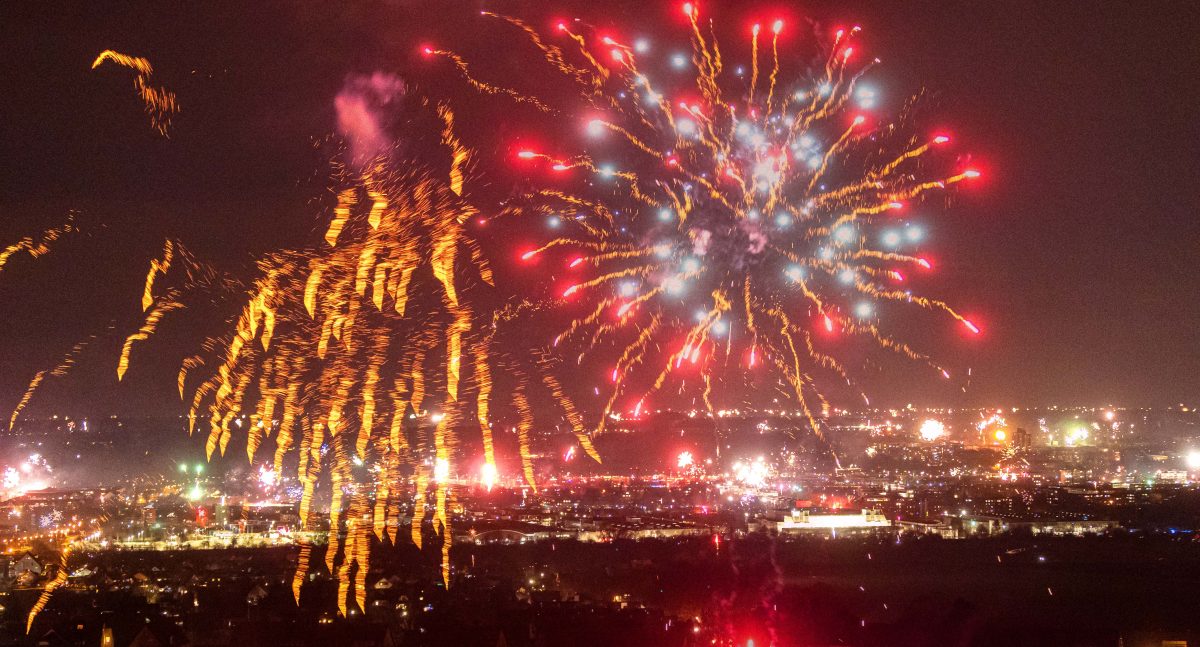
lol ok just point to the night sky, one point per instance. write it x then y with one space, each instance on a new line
1077 252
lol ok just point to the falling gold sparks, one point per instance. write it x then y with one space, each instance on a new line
341 351
33 385
63 367
148 328
39 245
60 578
159 102
158 267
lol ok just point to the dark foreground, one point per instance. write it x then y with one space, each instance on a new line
866 593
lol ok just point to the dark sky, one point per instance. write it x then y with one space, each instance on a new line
1077 251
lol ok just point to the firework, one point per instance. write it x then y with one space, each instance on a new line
159 102
367 355
725 223
39 245
711 237
932 430
751 473
60 578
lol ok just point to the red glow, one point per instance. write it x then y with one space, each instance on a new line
777 27
753 356
614 375
755 29
970 326
924 263
828 323
560 167
529 254
896 205
689 10
846 54
427 50
571 290
525 155
858 120
941 139
971 173
576 262
896 276
618 56
562 26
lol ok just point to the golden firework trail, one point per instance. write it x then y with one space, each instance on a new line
39 245
33 385
148 328
720 227
366 356
67 363
159 102
158 267
60 578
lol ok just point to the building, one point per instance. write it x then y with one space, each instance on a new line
865 521
990 525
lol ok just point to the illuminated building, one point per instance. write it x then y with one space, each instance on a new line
804 521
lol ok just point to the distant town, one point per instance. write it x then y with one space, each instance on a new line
1013 483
